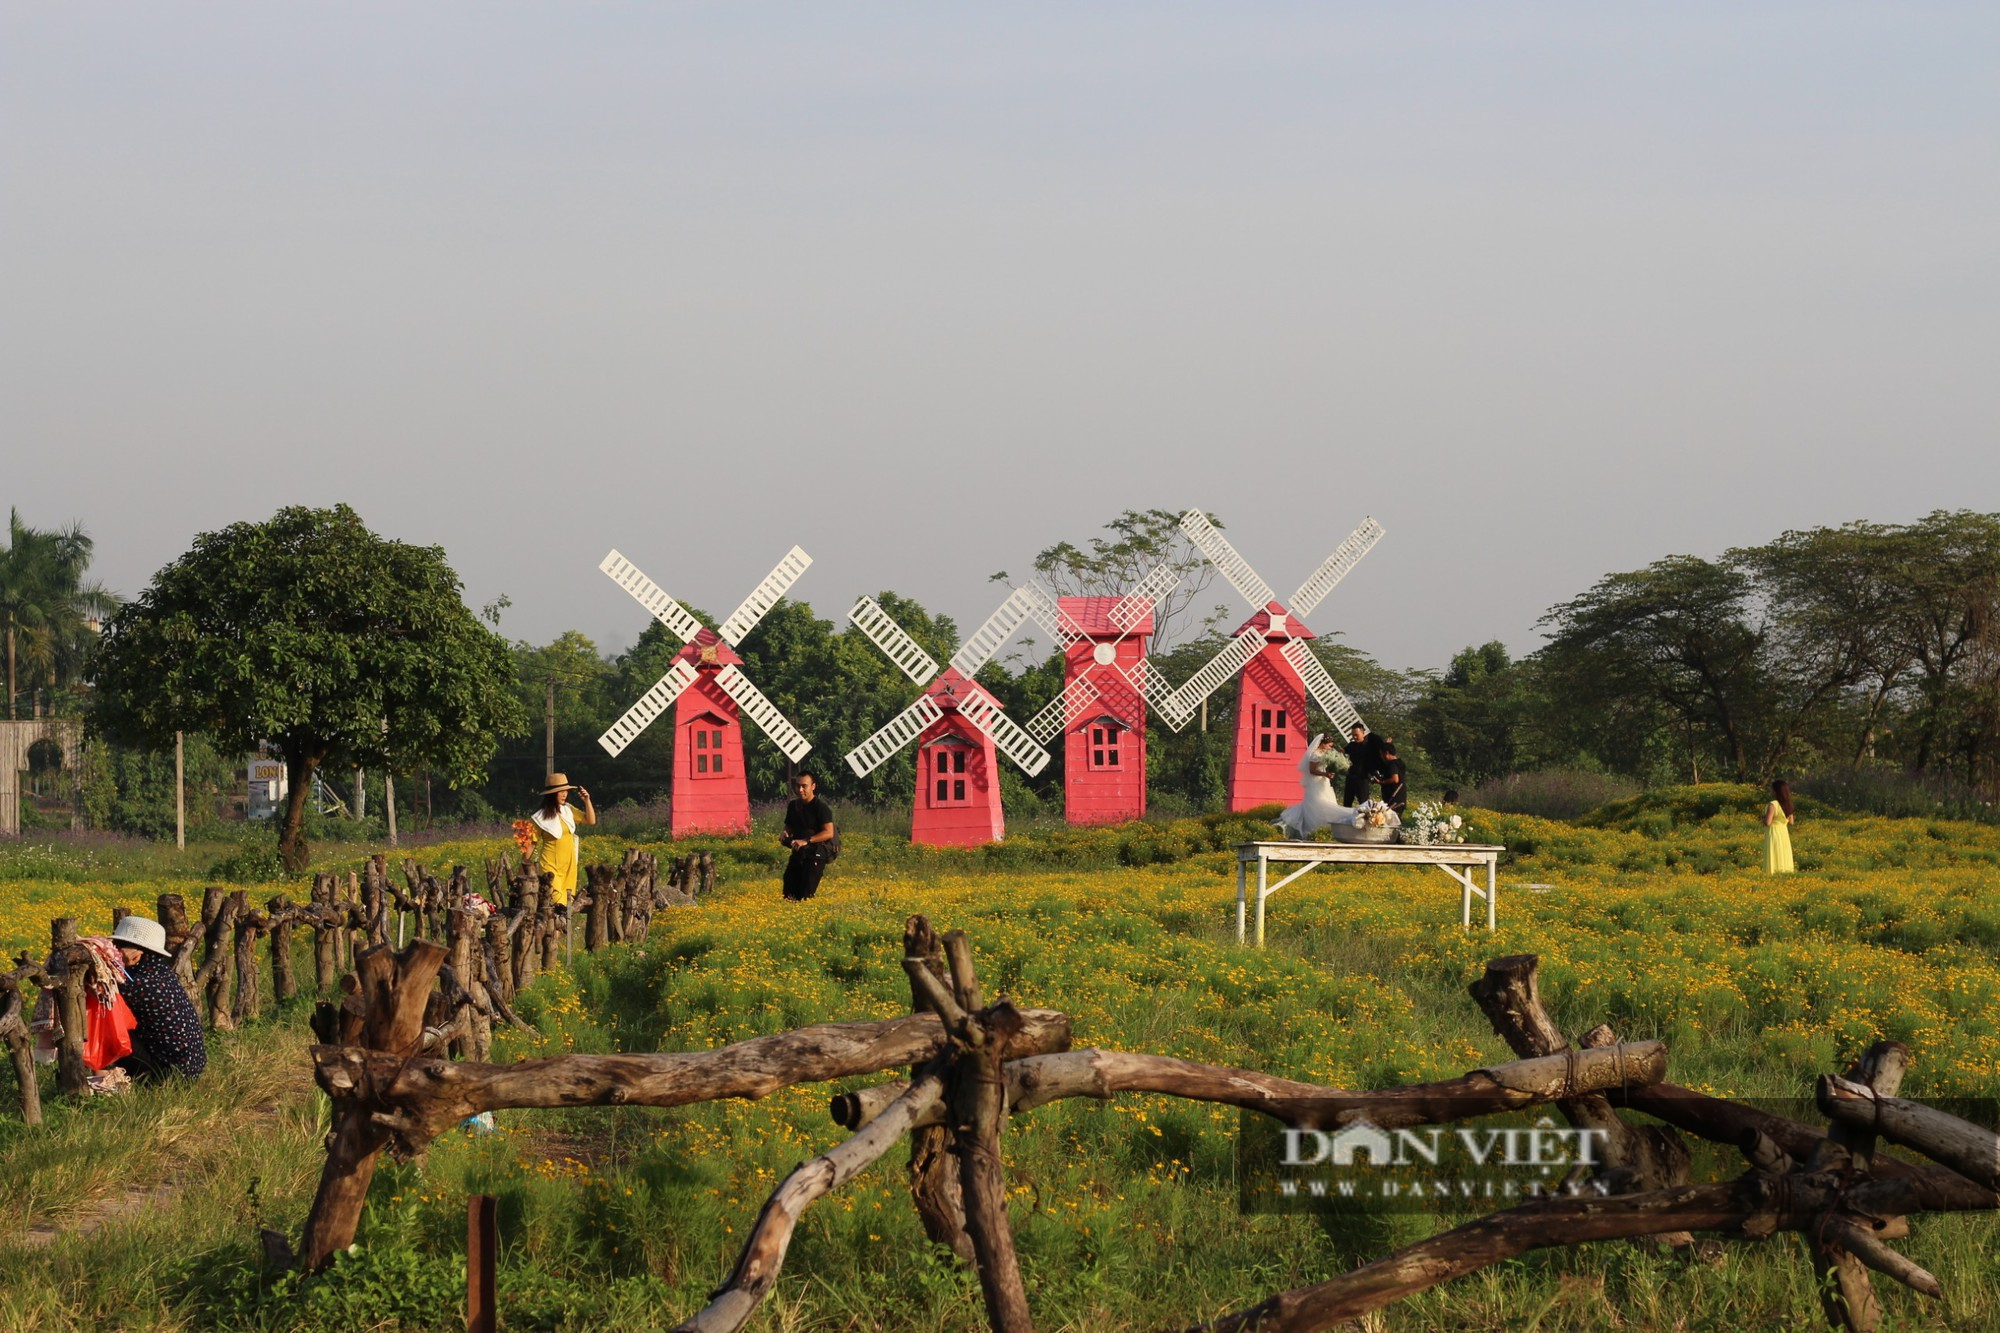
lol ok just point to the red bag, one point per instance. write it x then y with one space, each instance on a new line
108 1038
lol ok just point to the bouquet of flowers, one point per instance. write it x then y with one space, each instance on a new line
1432 826
524 836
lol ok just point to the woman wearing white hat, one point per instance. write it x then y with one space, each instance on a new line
168 1038
558 850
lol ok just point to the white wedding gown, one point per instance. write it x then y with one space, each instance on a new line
1318 807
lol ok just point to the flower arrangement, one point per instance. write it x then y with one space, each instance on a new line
524 836
1432 826
1376 814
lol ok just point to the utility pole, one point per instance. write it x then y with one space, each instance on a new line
389 807
549 731
180 794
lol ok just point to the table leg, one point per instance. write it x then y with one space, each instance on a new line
1492 896
1464 879
1239 901
1263 876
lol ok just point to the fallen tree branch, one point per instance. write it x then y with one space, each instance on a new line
1784 1203
1037 1080
764 1252
417 1099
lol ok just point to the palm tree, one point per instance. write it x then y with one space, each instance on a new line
45 605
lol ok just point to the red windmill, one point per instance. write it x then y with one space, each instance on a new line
1274 653
959 728
1101 712
710 693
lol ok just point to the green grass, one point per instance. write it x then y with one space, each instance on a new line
1126 1212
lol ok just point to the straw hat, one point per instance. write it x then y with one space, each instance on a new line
558 782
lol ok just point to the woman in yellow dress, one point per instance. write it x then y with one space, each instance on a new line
558 850
1778 821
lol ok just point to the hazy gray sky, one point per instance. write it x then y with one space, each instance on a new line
1549 290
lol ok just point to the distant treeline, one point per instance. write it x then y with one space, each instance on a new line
1866 648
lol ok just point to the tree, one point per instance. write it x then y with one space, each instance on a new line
313 634
1675 632
1140 541
1469 720
45 604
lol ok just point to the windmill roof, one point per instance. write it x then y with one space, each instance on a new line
1093 616
1294 627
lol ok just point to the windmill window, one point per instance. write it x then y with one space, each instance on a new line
948 782
1106 746
1273 735
707 746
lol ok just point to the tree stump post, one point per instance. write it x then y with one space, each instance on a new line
251 926
326 960
932 1170
218 955
283 912
67 969
602 907
1510 996
181 938
393 989
20 1043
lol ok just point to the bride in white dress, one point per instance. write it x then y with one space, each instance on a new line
1319 805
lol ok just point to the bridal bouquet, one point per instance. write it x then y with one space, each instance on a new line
1431 825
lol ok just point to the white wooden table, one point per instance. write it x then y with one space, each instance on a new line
1462 861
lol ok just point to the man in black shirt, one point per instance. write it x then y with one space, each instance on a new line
1389 772
168 1038
810 833
1362 760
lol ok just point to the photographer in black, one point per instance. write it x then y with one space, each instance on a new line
811 834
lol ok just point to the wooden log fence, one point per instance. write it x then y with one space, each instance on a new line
969 1065
488 956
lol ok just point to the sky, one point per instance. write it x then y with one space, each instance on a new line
1548 290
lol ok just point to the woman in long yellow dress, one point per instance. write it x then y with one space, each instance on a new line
558 849
1778 821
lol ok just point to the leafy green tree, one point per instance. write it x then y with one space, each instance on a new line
45 604
316 635
1676 633
1470 719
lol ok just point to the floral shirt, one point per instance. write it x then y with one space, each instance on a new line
168 1027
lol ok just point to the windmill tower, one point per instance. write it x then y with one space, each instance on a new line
1101 712
958 728
710 696
1273 651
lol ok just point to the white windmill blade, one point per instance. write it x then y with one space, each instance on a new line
909 655
1048 612
899 731
1320 685
651 704
732 682
1063 710
1211 543
764 596
1334 568
651 596
1137 604
982 710
978 650
1159 696
1234 656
